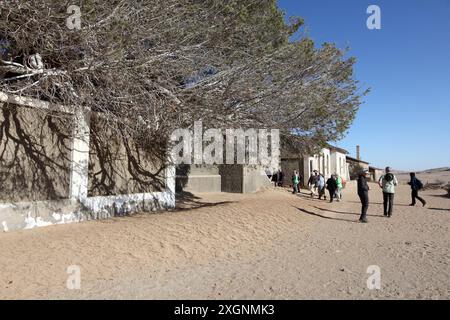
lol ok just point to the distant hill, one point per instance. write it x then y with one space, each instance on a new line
398 171
436 175
435 170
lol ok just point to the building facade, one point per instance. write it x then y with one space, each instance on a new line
328 161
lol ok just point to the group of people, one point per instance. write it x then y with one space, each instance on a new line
387 183
278 178
334 185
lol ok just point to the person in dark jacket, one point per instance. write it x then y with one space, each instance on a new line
416 185
363 193
332 187
275 179
280 178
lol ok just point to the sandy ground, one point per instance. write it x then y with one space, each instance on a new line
268 245
438 176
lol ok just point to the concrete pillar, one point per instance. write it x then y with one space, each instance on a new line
170 185
78 189
171 175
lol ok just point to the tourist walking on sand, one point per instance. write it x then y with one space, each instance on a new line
275 178
312 183
388 182
300 182
295 181
340 186
416 185
363 193
332 187
321 186
280 178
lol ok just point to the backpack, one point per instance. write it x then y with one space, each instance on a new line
419 184
389 177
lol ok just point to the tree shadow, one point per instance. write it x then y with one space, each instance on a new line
34 154
121 164
324 217
187 201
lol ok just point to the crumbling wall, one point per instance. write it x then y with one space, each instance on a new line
36 160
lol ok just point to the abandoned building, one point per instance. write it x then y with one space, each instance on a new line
356 165
54 170
330 160
234 178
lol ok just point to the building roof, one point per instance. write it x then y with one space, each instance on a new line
289 153
334 148
356 160
374 168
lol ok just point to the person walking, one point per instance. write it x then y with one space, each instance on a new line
295 182
363 193
340 186
280 178
416 185
332 187
300 182
321 186
312 183
388 182
275 178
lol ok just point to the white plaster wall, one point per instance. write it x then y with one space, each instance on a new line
80 207
325 159
306 165
339 164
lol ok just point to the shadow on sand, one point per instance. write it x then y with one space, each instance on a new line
352 213
324 217
440 209
188 201
381 203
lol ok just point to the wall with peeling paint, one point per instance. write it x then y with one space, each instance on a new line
28 215
75 203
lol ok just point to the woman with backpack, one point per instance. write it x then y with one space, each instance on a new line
388 182
416 185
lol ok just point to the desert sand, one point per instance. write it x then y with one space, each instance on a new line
432 176
267 245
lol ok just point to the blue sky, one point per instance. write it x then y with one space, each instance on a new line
405 120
